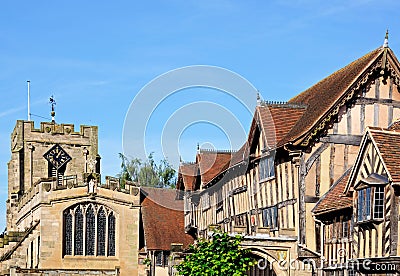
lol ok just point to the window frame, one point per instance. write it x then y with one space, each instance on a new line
270 218
78 246
370 204
266 168
205 201
161 258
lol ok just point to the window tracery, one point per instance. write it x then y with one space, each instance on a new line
89 230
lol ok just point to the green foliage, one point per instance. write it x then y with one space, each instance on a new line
147 173
220 255
147 262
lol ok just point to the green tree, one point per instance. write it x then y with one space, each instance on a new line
220 255
147 173
130 168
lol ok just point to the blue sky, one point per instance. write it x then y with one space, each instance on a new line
95 56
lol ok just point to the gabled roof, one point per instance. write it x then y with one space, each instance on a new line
274 120
388 144
297 121
334 199
187 176
395 126
323 96
283 118
163 219
212 163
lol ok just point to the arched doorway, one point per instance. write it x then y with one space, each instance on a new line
262 268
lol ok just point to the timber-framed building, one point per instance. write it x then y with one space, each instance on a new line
315 187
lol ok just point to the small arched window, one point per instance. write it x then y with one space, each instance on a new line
101 232
89 230
78 233
68 233
111 235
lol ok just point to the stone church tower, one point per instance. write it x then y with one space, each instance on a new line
60 218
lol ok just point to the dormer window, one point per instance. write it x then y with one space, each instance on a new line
371 197
379 202
370 203
364 204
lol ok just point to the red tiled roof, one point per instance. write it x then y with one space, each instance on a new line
321 97
188 173
334 199
395 126
212 163
288 122
209 164
277 120
241 155
163 219
388 143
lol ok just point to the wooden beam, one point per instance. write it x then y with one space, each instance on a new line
362 112
318 176
377 84
353 140
332 165
371 101
349 122
394 222
346 158
390 109
314 156
311 199
302 204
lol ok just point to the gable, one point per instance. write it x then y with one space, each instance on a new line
369 166
273 121
325 99
388 145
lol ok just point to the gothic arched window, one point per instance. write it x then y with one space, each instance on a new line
89 229
78 250
111 235
101 232
68 233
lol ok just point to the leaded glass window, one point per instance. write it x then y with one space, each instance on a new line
90 231
159 258
111 235
270 217
371 203
78 250
101 232
379 202
266 168
367 204
68 233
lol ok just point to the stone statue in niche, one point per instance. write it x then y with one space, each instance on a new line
92 186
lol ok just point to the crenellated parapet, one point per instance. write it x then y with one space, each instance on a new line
46 189
33 151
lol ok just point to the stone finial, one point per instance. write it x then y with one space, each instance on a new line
386 41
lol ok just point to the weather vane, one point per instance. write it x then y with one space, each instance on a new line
52 101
